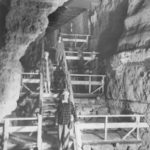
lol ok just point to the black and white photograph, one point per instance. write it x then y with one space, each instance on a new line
74 74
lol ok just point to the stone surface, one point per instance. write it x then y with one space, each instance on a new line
107 25
24 22
136 26
121 33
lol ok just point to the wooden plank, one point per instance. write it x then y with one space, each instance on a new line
110 116
92 126
106 128
39 134
23 129
31 80
78 82
111 141
84 53
87 75
84 35
6 134
75 40
22 119
77 58
30 73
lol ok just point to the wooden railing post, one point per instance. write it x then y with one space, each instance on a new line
75 41
39 132
6 134
78 137
90 86
106 130
103 78
138 129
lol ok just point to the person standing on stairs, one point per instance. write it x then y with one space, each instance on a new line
47 71
65 114
59 51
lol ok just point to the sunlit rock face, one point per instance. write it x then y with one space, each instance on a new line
128 71
136 26
23 21
129 78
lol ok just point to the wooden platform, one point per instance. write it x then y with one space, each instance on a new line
105 130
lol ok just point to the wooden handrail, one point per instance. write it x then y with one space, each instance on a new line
84 35
30 73
109 116
87 75
75 52
21 119
106 126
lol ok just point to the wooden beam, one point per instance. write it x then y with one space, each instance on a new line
128 133
111 141
39 134
78 82
92 126
6 134
30 73
31 80
77 58
87 75
23 129
110 116
75 40
106 128
77 35
22 119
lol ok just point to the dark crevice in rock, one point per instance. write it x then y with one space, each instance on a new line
108 39
3 12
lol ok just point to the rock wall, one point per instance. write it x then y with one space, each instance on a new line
121 33
23 22
128 71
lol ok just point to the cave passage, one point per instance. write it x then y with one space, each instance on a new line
83 52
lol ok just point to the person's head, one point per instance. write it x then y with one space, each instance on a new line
65 95
46 54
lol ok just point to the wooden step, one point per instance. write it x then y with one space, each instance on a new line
49 111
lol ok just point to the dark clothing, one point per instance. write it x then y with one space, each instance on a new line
64 112
59 79
60 52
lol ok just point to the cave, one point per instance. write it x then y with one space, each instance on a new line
96 50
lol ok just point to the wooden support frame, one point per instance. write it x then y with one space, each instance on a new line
106 125
82 38
10 129
26 87
30 77
6 134
74 55
39 134
89 81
